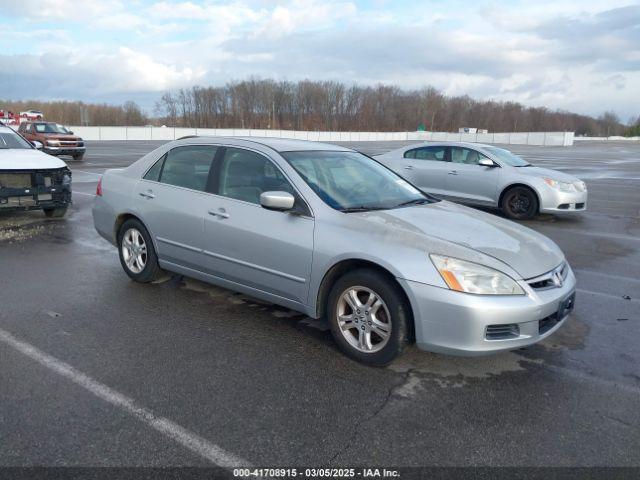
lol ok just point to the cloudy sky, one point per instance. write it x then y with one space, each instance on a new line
582 56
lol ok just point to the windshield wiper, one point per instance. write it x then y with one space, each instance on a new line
415 201
360 208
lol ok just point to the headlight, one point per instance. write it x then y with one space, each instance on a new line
562 186
469 277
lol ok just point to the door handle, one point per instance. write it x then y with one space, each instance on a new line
453 172
148 194
219 214
408 167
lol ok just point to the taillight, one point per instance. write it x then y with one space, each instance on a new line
99 188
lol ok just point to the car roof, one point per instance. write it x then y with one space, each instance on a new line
277 144
451 144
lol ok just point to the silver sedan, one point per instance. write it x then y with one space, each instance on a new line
486 175
331 233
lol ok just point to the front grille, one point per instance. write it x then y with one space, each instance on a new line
563 206
24 189
579 206
502 332
549 279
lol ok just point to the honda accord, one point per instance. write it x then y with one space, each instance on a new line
334 234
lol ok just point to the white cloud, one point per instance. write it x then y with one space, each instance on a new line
552 53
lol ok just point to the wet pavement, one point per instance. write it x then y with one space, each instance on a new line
268 385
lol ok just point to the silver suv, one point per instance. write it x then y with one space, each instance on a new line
332 233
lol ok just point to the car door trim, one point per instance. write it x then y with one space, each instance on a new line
178 244
255 267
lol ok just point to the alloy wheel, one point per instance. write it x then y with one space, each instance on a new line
134 250
364 319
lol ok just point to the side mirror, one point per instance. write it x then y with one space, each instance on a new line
69 132
277 200
37 144
487 162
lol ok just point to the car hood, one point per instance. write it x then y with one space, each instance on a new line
547 173
524 250
27 159
59 136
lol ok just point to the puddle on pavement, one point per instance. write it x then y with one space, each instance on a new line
455 372
418 367
235 298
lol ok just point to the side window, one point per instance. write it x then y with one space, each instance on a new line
410 153
244 175
154 172
188 166
465 156
437 154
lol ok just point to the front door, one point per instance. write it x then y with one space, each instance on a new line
245 243
468 181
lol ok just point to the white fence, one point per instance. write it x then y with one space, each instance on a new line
171 133
607 139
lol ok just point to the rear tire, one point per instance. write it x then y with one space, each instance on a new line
369 317
55 212
520 203
137 255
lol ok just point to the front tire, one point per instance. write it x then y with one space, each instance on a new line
55 212
78 156
519 203
137 255
369 317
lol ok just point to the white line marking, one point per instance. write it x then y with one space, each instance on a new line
82 193
88 173
175 432
608 295
606 275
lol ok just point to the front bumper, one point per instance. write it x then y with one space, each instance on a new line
557 202
456 323
41 189
64 150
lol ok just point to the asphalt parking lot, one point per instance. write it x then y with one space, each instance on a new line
267 386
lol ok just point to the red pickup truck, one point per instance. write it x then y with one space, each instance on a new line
55 139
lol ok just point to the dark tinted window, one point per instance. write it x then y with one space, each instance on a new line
428 153
154 172
188 166
466 156
244 175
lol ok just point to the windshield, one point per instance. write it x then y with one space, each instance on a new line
507 157
10 139
49 128
351 181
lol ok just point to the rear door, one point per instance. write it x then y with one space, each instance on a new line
173 202
469 182
426 168
244 243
